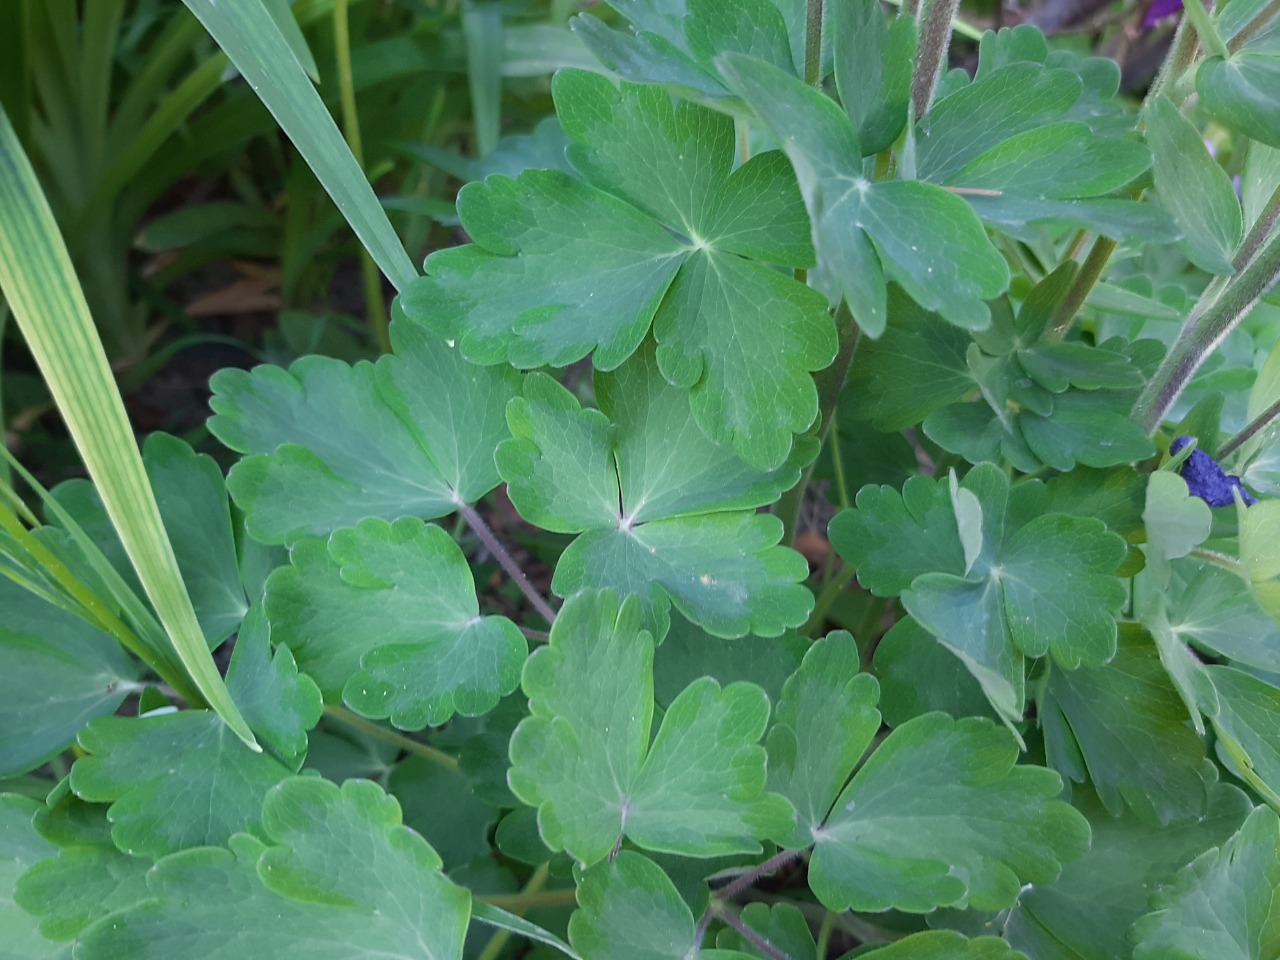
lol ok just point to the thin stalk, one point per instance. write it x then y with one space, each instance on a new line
813 44
1222 560
824 934
1182 53
516 902
837 467
826 598
1252 429
935 39
1214 45
1095 264
961 28
408 744
1252 28
1259 232
507 562
493 948
829 383
374 304
750 877
753 938
1207 327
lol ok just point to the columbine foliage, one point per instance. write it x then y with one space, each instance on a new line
972 721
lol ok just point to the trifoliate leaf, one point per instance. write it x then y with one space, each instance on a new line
1207 607
664 512
1223 905
59 673
918 235
173 780
1086 913
585 759
663 232
1128 724
328 444
20 849
630 910
824 723
279 703
782 926
386 615
1248 726
1041 583
308 894
941 815
441 803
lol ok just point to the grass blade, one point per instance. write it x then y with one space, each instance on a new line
37 279
249 36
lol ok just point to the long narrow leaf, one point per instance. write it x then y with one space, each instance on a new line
249 36
503 920
37 279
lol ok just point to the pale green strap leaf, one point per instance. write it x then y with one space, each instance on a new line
37 279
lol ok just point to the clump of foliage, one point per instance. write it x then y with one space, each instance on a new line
1019 332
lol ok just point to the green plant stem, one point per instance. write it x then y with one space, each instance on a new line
408 744
1258 233
1205 30
829 382
824 934
507 562
374 304
1211 320
753 938
1095 263
826 598
813 44
1252 429
1222 560
500 937
517 902
837 467
1254 26
936 17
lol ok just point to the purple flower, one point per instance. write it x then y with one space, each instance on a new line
1206 480
1160 9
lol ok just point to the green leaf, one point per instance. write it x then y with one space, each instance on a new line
503 920
782 926
918 675
1040 584
1260 553
20 849
1208 608
1247 723
945 945
917 366
1194 188
1176 522
1240 93
661 232
173 780
689 652
328 445
253 41
1222 905
664 512
307 894
630 910
1128 725
940 815
440 803
824 723
385 615
918 235
39 283
873 59
279 703
59 673
752 27
585 760
1086 912
192 498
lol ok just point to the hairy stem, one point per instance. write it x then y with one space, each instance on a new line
750 877
408 744
935 39
1251 430
1258 233
753 938
1182 53
1254 26
813 44
506 561
1205 30
1211 320
1090 273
